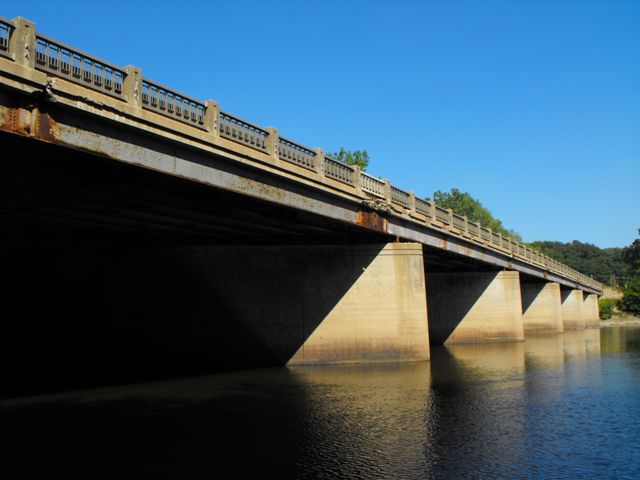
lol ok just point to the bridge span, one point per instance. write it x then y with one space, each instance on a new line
145 216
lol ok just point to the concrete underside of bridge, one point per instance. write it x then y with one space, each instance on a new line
118 273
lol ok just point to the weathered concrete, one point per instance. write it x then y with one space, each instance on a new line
137 313
541 307
572 315
119 113
474 307
382 317
590 310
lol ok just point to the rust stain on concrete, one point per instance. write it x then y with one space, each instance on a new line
371 220
47 128
13 121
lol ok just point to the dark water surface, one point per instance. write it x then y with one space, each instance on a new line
558 406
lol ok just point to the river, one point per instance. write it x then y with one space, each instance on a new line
556 406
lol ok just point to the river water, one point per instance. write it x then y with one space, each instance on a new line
557 406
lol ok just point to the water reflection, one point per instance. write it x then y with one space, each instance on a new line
620 339
545 351
371 422
478 395
554 406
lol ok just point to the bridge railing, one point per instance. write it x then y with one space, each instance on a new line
6 28
293 152
172 104
18 38
400 197
72 64
235 129
339 171
372 185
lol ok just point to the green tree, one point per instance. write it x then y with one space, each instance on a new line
603 264
607 307
355 157
631 256
630 302
464 204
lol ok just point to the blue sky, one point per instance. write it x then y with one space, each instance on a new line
531 107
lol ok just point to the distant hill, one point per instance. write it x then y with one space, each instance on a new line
600 263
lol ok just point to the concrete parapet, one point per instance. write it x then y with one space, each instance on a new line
590 310
474 307
541 307
572 314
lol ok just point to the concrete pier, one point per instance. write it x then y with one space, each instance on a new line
590 310
541 307
381 317
474 307
134 314
572 312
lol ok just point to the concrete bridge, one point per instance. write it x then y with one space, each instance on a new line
141 216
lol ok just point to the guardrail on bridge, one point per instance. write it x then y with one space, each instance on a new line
20 43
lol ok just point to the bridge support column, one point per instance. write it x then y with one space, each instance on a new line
541 307
139 313
572 312
474 307
382 316
590 310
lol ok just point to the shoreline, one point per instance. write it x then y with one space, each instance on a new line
620 321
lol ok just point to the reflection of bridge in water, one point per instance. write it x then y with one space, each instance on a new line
168 230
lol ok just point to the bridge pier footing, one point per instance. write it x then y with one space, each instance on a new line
382 316
572 311
590 310
541 307
474 307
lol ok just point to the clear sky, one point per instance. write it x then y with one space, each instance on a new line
531 107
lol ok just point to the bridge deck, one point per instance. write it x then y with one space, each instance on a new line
263 187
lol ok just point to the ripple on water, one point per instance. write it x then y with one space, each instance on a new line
561 406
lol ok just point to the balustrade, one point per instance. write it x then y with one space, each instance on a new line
60 60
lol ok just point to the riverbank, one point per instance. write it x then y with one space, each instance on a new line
617 320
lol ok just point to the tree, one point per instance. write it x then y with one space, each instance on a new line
464 204
631 255
355 157
604 264
630 302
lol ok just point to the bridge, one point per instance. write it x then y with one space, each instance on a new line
142 216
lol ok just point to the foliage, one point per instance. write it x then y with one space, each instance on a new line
355 157
630 302
464 204
607 307
600 263
631 256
